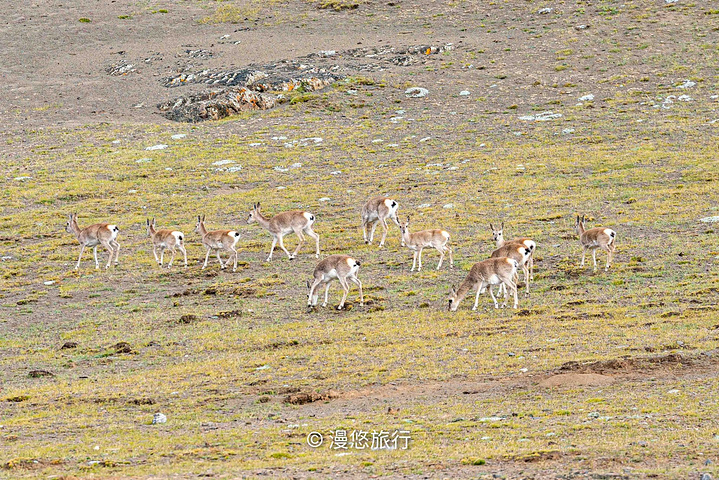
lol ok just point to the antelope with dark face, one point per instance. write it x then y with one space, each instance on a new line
595 238
295 221
376 212
218 240
342 268
498 236
104 234
166 239
484 274
418 241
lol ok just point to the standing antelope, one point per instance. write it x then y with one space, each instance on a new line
498 236
594 238
377 211
295 221
99 234
334 267
163 239
426 238
518 252
493 271
218 240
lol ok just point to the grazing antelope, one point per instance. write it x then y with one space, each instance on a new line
99 234
426 238
493 271
498 236
594 238
518 252
163 239
295 221
335 267
377 211
218 240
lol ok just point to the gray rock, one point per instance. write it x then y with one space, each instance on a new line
416 92
586 98
544 11
159 418
714 219
541 117
464 93
157 147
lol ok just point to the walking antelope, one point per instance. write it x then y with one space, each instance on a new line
498 237
163 239
426 238
295 221
377 211
218 240
594 238
518 252
98 234
484 274
335 267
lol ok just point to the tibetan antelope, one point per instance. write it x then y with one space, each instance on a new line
164 239
295 221
218 240
594 238
99 234
377 211
418 241
335 267
498 236
484 274
518 252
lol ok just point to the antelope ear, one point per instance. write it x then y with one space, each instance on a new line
308 284
203 217
491 227
502 227
453 290
153 221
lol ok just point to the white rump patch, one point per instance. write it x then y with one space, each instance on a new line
177 236
388 203
351 262
308 216
445 234
113 230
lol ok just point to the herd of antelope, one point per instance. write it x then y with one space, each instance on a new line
501 269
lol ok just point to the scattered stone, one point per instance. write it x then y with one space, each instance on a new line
157 147
425 205
68 345
416 92
281 169
670 1
21 179
541 117
297 165
214 104
143 160
489 419
714 219
49 282
567 131
422 140
581 27
593 415
6 258
263 367
115 142
673 392
159 418
586 98
336 172
324 199
377 140
687 84
235 169
178 136
449 205
684 98
40 373
544 11
222 162
706 476
255 144
327 53
464 93
120 68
